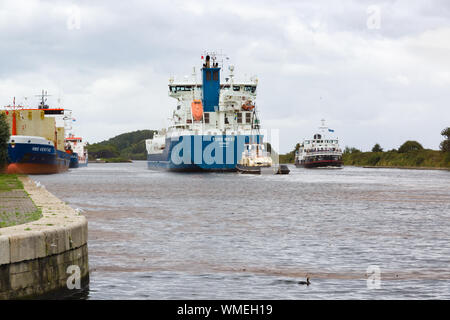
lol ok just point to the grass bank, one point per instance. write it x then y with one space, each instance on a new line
9 182
16 207
416 158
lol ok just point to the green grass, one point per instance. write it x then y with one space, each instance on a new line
10 182
115 160
19 218
418 158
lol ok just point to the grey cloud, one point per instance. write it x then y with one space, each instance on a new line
313 59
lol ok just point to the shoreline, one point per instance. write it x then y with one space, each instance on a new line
406 167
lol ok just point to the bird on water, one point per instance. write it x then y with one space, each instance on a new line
305 282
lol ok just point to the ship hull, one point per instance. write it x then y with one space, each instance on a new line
254 169
83 162
74 161
201 153
29 158
319 163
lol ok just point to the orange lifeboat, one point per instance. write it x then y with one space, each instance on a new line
197 110
248 106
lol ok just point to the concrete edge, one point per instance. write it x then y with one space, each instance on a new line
60 229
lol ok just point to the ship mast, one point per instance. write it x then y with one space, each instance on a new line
43 97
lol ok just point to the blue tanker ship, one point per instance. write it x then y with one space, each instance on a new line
211 124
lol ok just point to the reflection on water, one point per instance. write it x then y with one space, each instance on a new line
160 235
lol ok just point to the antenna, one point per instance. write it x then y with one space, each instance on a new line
43 97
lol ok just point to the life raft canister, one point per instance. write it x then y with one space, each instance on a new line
248 106
197 110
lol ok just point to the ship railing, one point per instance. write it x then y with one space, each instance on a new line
323 152
254 154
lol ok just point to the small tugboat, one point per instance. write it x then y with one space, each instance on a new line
319 152
282 169
254 159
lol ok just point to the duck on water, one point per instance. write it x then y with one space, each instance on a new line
307 282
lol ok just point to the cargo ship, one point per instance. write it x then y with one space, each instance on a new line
319 152
211 124
36 144
76 147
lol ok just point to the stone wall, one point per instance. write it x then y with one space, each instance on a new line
34 257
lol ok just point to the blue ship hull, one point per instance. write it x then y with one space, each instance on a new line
29 158
201 153
74 161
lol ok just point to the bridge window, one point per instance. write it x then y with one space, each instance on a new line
236 88
239 117
180 88
251 89
206 117
248 117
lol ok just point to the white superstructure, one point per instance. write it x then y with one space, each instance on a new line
235 114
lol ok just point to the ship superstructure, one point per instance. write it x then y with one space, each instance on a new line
211 124
321 151
76 147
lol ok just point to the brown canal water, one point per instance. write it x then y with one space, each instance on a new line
161 235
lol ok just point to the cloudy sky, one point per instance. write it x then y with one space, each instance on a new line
377 71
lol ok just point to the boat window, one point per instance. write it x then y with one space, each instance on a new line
239 117
236 88
251 89
226 120
208 75
216 75
206 115
248 117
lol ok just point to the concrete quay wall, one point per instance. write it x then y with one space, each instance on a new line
42 256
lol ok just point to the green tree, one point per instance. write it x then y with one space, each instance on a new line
351 150
445 145
103 151
4 137
130 145
410 146
377 148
